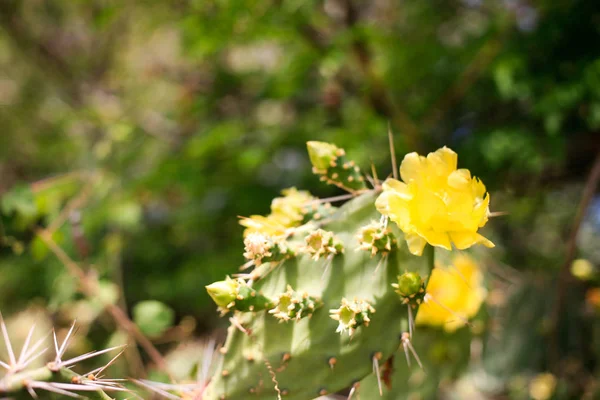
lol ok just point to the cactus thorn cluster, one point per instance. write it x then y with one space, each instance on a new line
56 376
376 239
293 305
352 314
322 244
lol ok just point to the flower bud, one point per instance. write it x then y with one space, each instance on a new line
223 292
409 284
321 154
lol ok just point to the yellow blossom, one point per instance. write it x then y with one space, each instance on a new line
269 225
290 208
436 203
286 212
458 288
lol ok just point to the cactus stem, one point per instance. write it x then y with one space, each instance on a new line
376 371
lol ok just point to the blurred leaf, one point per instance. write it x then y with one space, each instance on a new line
20 200
153 317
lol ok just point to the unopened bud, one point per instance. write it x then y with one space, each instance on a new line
409 284
223 292
321 154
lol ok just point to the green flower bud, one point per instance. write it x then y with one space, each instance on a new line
223 292
321 154
409 284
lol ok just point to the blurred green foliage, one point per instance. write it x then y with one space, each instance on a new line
161 122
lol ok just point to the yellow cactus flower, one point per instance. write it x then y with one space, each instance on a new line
436 203
286 212
290 208
269 225
458 288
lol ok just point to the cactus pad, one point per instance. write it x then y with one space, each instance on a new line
304 357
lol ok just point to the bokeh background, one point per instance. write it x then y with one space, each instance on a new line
133 135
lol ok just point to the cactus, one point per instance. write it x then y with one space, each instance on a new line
20 381
330 300
330 162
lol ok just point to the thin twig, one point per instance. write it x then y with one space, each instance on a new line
565 278
75 203
89 286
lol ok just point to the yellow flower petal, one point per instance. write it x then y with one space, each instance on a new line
440 239
442 161
412 167
465 239
399 188
460 179
416 244
459 287
478 188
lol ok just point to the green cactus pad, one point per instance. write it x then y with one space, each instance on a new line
308 358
